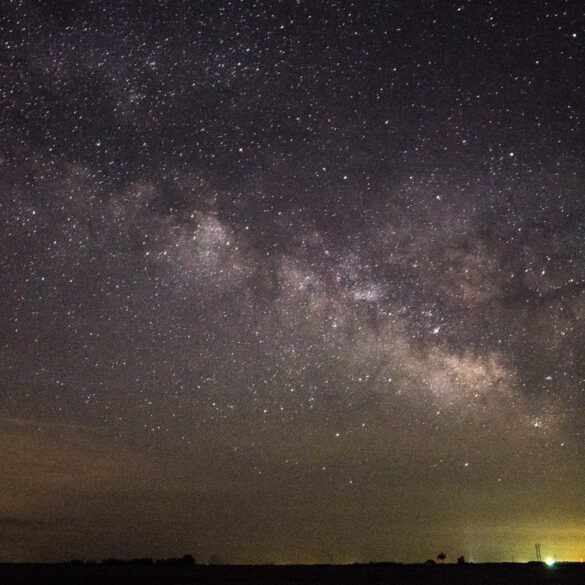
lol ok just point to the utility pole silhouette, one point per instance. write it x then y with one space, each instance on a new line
538 556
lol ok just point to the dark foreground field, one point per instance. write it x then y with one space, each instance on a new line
376 574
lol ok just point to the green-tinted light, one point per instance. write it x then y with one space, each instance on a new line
550 562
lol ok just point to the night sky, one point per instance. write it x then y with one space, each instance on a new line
292 281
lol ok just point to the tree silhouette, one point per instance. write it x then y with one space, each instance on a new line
441 557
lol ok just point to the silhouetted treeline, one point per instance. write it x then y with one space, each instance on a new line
124 573
185 561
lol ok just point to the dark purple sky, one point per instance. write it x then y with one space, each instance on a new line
292 281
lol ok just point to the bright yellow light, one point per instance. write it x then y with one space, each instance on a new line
550 562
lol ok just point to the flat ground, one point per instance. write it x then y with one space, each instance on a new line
375 574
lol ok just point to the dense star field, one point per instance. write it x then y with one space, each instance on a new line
292 281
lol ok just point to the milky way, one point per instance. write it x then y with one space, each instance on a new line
292 281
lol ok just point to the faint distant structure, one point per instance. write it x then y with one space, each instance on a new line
441 557
461 560
538 555
187 561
